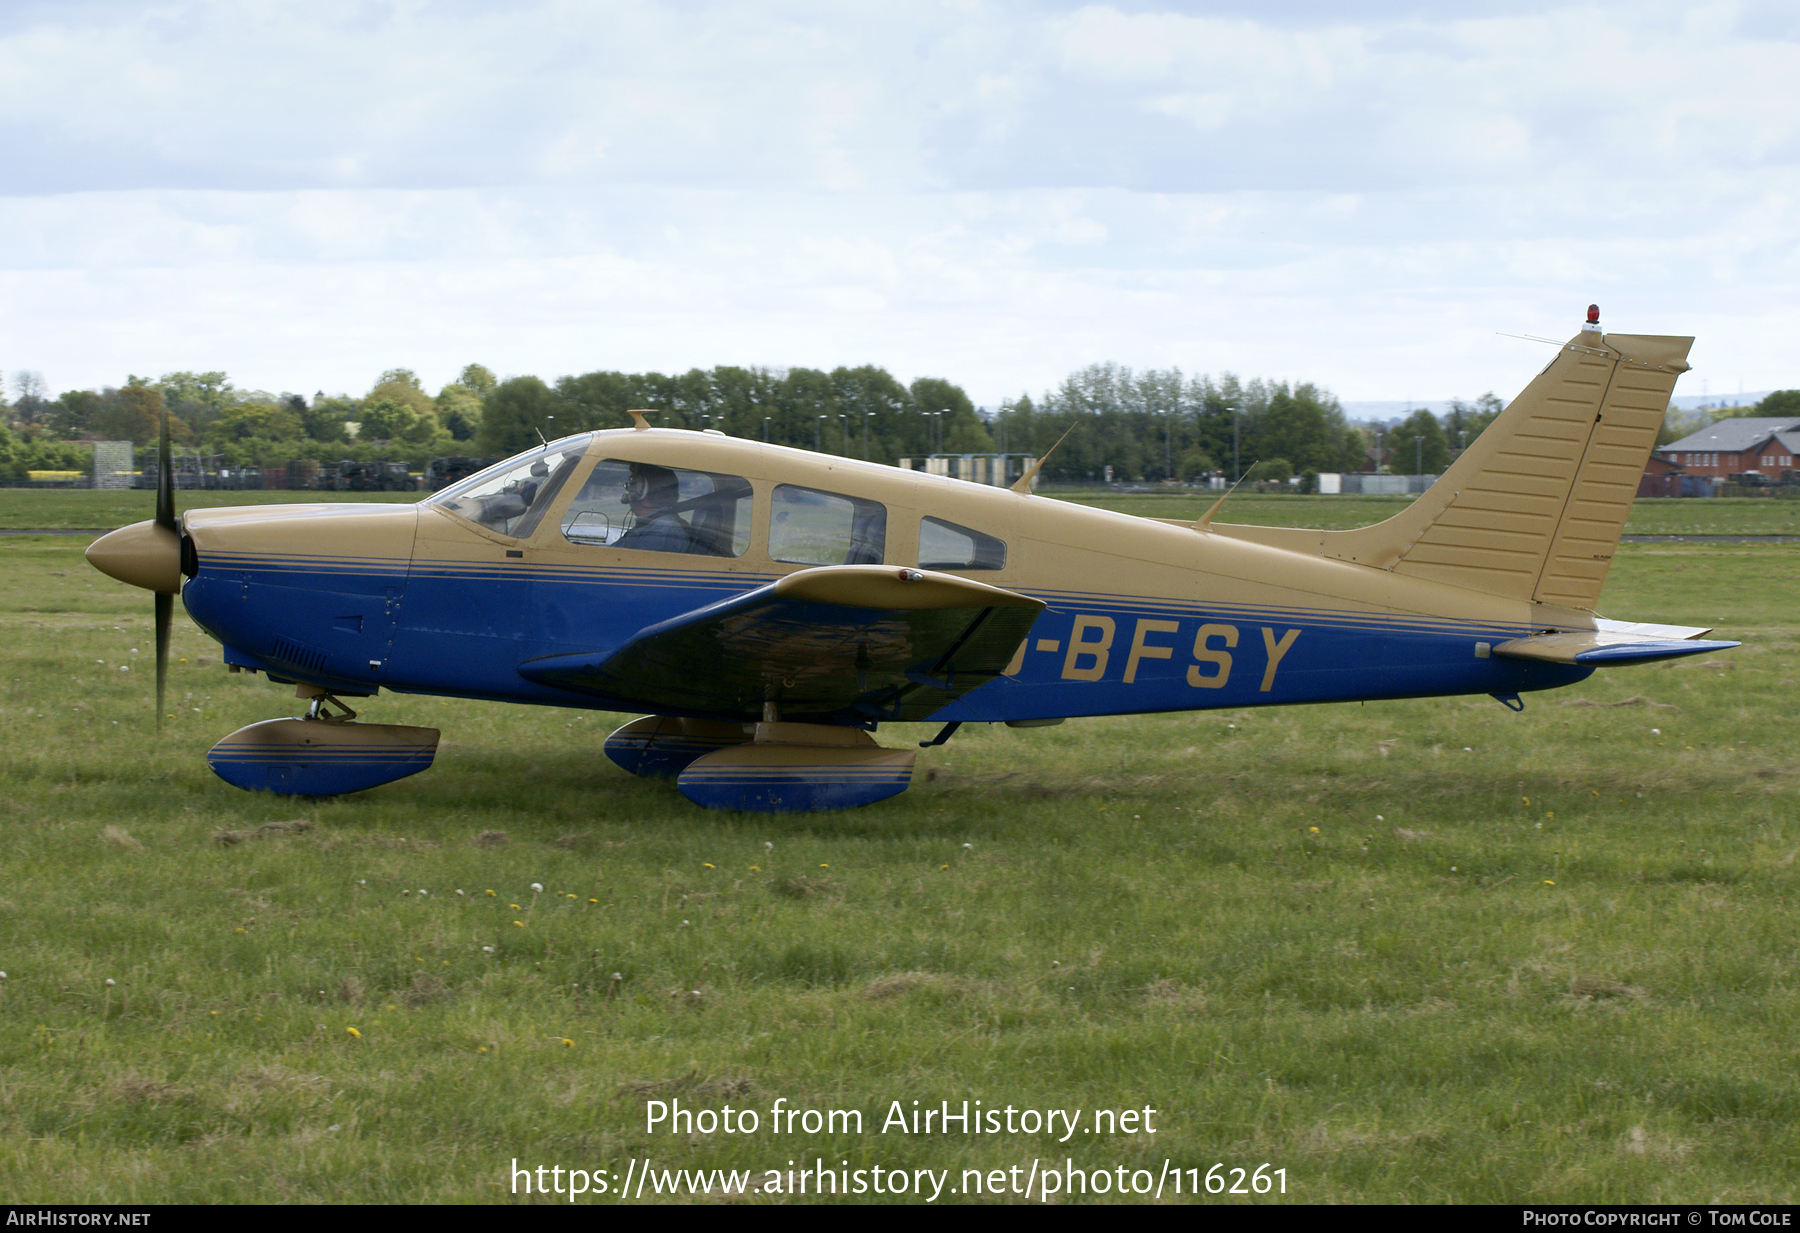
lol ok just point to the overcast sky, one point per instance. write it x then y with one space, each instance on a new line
1356 194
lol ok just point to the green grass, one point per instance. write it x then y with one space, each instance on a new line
1649 516
58 509
1546 957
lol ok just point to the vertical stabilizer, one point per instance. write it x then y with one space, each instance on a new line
1534 508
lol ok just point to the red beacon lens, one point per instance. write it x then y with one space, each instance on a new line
1593 314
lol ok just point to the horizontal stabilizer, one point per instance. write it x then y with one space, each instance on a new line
878 642
1614 642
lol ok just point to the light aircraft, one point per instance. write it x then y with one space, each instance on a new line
770 607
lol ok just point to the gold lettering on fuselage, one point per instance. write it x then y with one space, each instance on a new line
1141 650
1080 648
1204 654
1276 651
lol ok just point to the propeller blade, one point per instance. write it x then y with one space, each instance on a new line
165 477
165 517
165 612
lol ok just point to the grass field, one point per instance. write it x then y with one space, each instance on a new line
1426 951
70 509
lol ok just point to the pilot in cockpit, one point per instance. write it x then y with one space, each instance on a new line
651 493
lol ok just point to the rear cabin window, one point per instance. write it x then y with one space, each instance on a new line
809 527
944 545
660 509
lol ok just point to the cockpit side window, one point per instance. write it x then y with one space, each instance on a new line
944 545
511 497
661 509
809 527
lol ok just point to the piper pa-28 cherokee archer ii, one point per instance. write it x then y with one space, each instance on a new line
770 607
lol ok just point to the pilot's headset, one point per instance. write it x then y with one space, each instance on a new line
656 487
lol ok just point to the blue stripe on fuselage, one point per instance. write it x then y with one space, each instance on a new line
463 628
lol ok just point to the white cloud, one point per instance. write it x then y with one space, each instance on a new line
305 194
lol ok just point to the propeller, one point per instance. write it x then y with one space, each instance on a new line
165 521
148 555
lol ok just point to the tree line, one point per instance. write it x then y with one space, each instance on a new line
1150 425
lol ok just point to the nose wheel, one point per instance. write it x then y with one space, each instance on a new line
322 753
319 708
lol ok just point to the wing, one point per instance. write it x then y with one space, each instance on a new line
859 642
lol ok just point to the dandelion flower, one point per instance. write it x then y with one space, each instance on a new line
423 891
492 895
487 950
824 865
571 896
942 868
1313 830
1548 882
756 869
537 888
593 901
708 864
519 923
515 907
567 1043
354 1032
459 894
968 846
110 982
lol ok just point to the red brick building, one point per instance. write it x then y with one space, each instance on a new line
1732 447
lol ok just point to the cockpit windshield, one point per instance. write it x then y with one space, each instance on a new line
510 497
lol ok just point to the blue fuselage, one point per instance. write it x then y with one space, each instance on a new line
462 630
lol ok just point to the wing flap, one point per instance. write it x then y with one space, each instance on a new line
864 641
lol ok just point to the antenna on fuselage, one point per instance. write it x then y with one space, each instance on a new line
638 422
1205 519
1022 485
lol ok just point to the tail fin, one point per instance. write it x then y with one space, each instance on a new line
1533 510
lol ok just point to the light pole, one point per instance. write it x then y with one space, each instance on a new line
1168 433
867 416
846 427
766 429
819 435
1234 444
